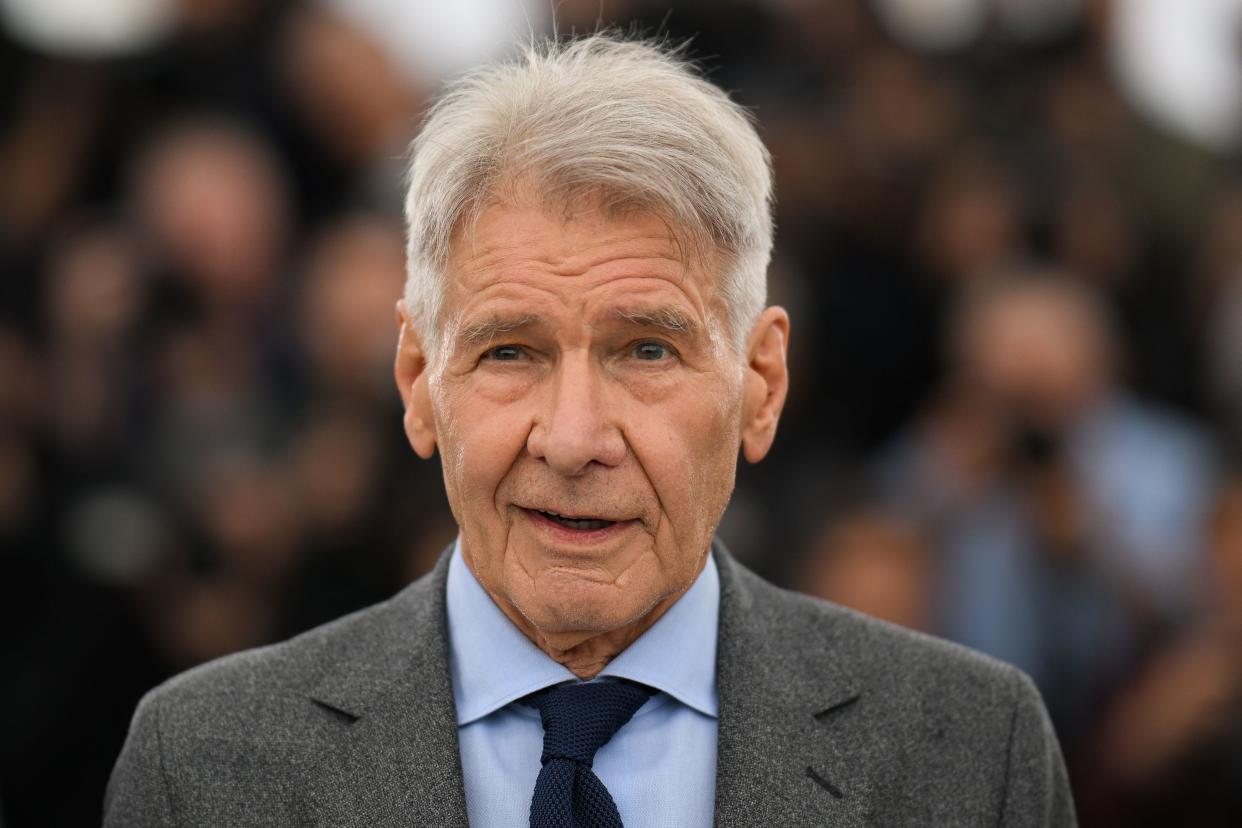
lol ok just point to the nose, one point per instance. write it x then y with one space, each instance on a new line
574 427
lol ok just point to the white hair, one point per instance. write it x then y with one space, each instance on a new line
627 124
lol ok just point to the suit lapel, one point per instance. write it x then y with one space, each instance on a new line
787 724
395 760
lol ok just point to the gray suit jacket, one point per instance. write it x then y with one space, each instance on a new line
826 718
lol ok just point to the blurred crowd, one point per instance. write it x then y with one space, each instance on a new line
1009 235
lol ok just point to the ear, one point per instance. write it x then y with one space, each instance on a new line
766 382
410 372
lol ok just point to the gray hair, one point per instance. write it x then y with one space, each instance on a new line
627 124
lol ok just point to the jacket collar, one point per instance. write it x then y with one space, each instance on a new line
784 689
780 757
398 762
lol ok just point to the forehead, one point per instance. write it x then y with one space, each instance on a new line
525 250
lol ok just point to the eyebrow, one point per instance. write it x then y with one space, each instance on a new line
485 330
664 317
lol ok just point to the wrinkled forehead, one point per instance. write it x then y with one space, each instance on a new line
569 249
569 205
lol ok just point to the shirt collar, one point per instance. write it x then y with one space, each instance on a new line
492 663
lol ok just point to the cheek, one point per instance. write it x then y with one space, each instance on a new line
478 445
688 447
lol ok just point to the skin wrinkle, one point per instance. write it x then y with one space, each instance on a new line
570 417
666 317
699 256
681 255
482 334
570 265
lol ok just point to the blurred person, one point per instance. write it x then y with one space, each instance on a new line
1044 355
354 268
210 202
210 398
353 546
1169 749
970 219
1094 234
866 153
900 112
227 593
858 176
584 341
94 288
873 563
1085 118
1097 230
95 294
44 150
211 199
74 646
337 461
245 510
347 91
1066 511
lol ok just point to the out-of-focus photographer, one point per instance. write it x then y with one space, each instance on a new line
1066 512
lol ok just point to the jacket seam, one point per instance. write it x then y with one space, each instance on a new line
165 785
1013 726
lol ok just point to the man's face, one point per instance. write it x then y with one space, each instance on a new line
588 411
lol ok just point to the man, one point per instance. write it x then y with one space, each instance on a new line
584 341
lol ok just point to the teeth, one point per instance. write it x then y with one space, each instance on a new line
585 524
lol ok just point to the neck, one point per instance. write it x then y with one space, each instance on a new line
585 654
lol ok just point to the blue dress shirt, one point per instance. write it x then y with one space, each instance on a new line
660 767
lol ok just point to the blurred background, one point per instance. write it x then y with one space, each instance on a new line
1009 234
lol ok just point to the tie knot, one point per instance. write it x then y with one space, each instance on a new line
579 719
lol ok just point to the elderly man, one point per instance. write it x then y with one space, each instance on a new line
585 343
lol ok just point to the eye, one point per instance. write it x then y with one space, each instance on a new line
504 353
650 351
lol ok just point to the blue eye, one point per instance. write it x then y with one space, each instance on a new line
504 353
651 351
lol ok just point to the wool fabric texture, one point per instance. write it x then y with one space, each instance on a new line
352 725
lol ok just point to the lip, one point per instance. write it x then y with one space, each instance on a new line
582 537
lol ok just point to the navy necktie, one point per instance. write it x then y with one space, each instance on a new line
579 719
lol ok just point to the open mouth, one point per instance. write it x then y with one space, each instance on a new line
582 524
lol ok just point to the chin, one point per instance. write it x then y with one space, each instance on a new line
570 604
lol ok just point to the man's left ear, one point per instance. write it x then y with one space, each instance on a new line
766 382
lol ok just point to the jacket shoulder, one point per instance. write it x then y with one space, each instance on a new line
912 711
243 738
874 652
289 666
265 690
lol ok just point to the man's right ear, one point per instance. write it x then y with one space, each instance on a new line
410 371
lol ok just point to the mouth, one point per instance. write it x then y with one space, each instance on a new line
575 527
583 524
